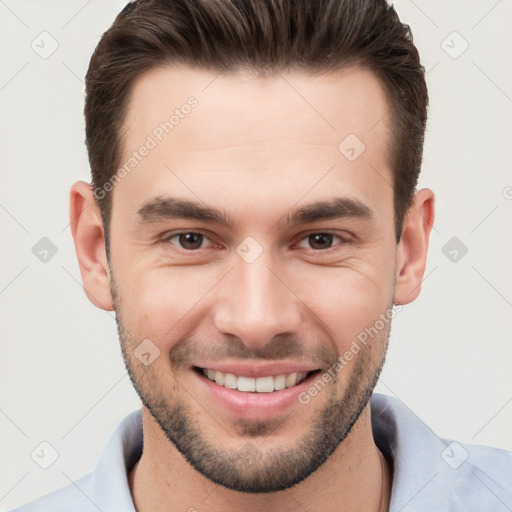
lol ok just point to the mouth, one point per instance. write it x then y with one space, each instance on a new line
254 398
264 384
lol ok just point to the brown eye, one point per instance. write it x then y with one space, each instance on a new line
189 241
320 241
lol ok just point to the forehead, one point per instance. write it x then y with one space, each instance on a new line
256 133
330 104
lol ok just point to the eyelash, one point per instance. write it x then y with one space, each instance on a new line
167 240
169 237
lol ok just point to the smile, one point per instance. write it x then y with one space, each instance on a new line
254 385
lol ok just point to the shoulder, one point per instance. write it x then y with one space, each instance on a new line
106 488
476 477
432 473
487 465
72 497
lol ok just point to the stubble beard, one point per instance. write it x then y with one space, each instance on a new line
250 469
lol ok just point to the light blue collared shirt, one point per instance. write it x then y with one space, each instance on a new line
430 474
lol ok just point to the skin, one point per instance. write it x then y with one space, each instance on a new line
257 149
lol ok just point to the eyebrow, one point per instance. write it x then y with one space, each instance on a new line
164 208
335 208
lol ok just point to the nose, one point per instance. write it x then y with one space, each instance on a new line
255 304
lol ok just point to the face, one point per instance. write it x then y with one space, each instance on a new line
249 251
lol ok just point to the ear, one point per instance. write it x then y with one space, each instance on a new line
411 254
89 237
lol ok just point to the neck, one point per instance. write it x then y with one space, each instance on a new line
351 479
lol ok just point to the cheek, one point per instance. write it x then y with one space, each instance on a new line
347 301
163 304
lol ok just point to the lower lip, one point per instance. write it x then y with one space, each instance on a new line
258 406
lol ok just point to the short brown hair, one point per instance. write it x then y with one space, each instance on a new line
263 35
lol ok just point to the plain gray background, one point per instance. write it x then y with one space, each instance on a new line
62 376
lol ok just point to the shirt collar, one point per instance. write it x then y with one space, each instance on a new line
429 473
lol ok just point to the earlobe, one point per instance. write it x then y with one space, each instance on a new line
88 235
411 255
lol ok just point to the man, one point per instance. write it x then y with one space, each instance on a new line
254 222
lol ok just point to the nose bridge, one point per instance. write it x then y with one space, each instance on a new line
255 305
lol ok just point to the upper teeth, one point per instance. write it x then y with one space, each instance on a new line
260 384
